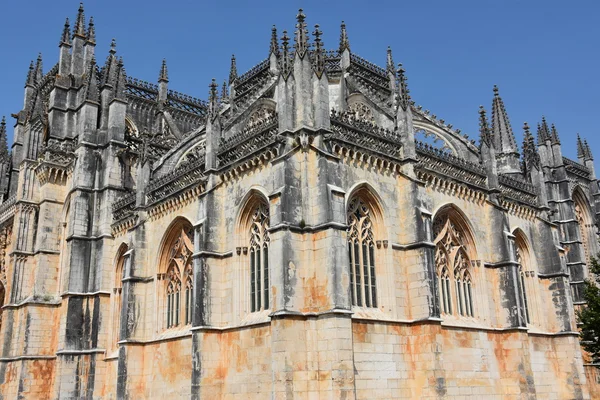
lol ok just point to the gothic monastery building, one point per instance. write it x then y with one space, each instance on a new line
308 232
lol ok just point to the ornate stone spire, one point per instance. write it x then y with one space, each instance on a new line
91 32
3 141
554 135
65 39
403 91
485 134
319 57
390 66
285 64
110 66
543 133
39 70
588 151
344 42
301 41
30 75
580 147
79 29
92 92
121 79
233 70
274 47
213 100
224 93
163 75
503 134
531 158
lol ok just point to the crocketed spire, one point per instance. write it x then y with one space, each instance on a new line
554 135
224 93
233 70
543 132
504 138
163 75
344 42
285 64
319 57
65 38
92 92
531 158
301 41
588 150
390 66
485 135
580 147
79 29
91 32
274 46
39 70
110 66
403 91
3 141
30 75
213 99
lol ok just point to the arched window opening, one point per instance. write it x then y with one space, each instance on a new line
117 300
585 223
361 253
523 258
453 267
259 258
179 277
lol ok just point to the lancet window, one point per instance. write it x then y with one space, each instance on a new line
523 259
361 253
453 267
117 301
179 279
259 258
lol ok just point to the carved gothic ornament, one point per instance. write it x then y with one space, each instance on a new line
361 111
258 117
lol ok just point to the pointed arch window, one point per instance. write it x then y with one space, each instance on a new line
259 258
361 253
453 266
117 300
179 279
522 257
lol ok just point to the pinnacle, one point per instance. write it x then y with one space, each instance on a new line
580 147
484 129
554 135
66 34
390 62
344 42
504 138
233 70
113 46
163 76
274 47
30 75
80 22
91 33
301 34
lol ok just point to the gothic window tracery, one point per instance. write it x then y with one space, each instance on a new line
117 301
524 270
361 253
259 116
453 267
361 111
581 221
179 279
259 258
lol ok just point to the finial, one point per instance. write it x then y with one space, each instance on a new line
301 34
91 33
163 76
113 46
554 135
504 138
233 70
390 62
344 42
496 94
403 92
92 92
212 99
319 58
80 23
65 38
274 48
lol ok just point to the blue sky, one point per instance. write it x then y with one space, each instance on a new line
543 55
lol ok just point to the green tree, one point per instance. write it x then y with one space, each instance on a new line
589 315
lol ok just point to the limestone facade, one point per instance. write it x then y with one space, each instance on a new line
307 232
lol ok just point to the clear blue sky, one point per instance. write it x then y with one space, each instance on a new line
543 55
